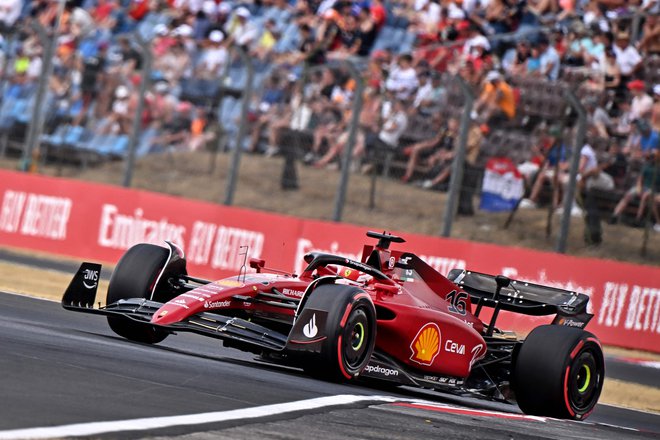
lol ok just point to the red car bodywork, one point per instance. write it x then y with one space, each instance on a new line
426 324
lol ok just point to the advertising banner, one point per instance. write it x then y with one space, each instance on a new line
99 222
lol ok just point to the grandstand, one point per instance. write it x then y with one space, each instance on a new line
607 53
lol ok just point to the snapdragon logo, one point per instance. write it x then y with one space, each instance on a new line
377 369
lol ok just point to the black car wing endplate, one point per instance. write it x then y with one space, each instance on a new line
520 296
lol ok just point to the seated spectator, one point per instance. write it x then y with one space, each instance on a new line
514 62
650 41
272 97
265 44
641 104
311 51
445 157
348 38
533 64
175 64
295 116
10 11
647 183
655 112
402 79
644 141
496 103
241 31
199 136
548 59
611 71
367 30
554 165
395 122
213 57
498 15
623 125
426 18
590 175
597 117
627 57
174 130
443 140
543 7
594 17
431 96
615 163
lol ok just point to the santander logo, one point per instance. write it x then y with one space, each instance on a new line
310 330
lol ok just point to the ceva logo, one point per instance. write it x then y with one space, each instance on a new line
310 330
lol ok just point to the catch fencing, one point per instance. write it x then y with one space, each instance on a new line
324 145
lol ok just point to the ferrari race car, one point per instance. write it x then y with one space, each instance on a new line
388 317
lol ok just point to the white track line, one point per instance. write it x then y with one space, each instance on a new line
97 428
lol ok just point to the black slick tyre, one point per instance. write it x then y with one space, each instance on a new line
135 276
559 372
350 328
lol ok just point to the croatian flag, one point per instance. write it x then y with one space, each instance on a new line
503 186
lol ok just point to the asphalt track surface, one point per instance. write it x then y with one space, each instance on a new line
59 368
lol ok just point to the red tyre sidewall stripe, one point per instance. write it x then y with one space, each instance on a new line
576 349
340 358
566 401
342 324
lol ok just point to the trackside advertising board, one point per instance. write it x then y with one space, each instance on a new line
99 222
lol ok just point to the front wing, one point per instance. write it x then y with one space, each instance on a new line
81 294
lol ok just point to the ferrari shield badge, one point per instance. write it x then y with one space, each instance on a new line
426 345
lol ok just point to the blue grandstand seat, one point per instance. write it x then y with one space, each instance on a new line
56 139
74 136
120 145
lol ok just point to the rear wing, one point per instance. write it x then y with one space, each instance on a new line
523 297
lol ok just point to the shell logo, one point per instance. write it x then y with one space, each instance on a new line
426 345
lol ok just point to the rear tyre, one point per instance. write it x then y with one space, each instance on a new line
559 372
350 328
135 276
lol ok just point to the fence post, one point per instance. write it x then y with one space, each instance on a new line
647 217
635 27
145 80
221 141
242 128
457 166
569 195
340 197
49 42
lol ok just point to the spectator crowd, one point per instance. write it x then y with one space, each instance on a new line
518 58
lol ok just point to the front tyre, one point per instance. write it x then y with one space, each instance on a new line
559 372
350 329
135 276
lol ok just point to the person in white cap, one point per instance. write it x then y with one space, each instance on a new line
497 103
214 56
241 30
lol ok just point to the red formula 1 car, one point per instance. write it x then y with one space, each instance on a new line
389 317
